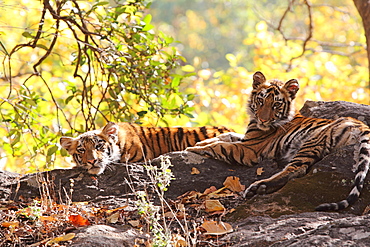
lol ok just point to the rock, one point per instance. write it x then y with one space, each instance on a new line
114 187
305 229
283 218
335 109
107 236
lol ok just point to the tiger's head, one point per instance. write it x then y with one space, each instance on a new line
94 149
270 104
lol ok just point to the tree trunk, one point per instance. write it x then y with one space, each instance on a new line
363 7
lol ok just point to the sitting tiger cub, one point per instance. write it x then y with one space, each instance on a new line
126 142
275 131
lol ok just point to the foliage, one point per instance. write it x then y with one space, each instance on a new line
71 66
225 42
77 65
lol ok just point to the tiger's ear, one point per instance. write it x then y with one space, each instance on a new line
292 87
258 79
66 142
111 130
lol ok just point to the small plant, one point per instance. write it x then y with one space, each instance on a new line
32 212
154 215
161 236
162 175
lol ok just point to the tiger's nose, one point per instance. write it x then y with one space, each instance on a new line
263 120
91 162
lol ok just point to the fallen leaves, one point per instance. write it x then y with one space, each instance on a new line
10 224
211 202
203 209
194 171
213 206
20 220
259 171
234 184
77 220
63 238
216 228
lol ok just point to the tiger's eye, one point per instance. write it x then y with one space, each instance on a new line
100 144
277 105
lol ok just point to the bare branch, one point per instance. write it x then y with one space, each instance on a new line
287 10
309 35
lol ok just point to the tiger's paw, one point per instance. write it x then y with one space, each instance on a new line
207 142
225 137
258 187
198 150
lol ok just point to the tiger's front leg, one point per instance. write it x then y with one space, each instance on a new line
297 167
229 152
275 182
225 137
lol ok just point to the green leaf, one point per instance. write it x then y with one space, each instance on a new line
190 97
188 68
42 46
175 82
101 3
148 27
27 35
63 152
142 113
16 139
147 19
67 100
52 150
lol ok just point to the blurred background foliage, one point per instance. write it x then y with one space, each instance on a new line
170 62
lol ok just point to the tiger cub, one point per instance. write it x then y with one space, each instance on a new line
126 142
275 131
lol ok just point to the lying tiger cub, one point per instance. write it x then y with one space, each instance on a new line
126 142
275 131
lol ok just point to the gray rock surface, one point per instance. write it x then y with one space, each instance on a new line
305 229
107 236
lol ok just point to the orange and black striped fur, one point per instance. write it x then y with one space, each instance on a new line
126 142
275 131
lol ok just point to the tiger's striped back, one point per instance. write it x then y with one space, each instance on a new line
126 142
139 144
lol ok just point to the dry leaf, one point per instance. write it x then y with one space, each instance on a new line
178 240
213 205
259 171
10 224
194 171
80 203
172 215
66 237
113 218
210 190
190 195
216 228
134 223
233 184
180 207
48 218
113 210
169 214
78 220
